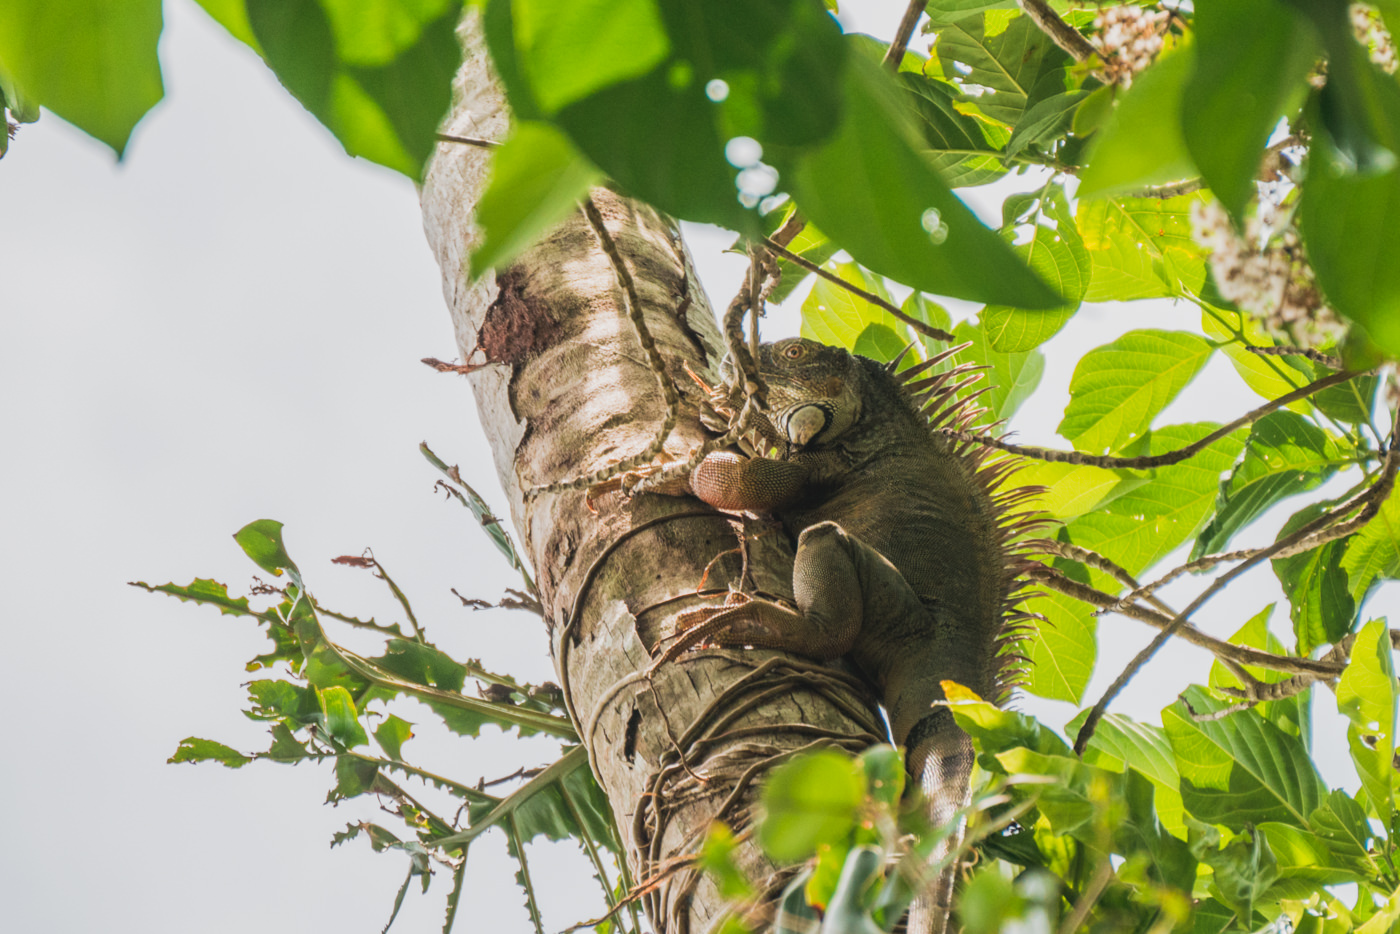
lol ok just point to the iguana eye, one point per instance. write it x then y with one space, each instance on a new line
794 351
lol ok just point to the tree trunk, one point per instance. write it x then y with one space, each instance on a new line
571 392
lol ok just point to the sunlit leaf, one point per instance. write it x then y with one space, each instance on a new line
1019 66
92 62
1366 695
1063 648
809 801
1374 552
1119 388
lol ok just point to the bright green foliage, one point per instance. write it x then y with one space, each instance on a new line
1215 820
92 62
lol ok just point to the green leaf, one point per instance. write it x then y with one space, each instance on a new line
1255 634
262 541
1120 743
1141 143
717 860
1018 66
884 774
1119 388
342 719
1141 247
1045 122
573 48
1285 455
1366 696
386 110
871 190
392 734
1269 376
836 316
1070 489
1252 62
1374 552
193 749
1012 376
994 730
807 802
233 16
375 32
1341 823
537 179
810 244
1241 769
1304 855
963 149
92 62
1348 210
1144 524
879 342
1320 605
1061 654
202 590
1243 869
422 664
353 776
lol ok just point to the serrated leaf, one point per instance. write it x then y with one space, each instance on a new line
1285 455
537 179
1241 769
92 62
194 749
1119 388
203 590
1143 525
392 734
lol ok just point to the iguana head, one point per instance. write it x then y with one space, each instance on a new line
812 390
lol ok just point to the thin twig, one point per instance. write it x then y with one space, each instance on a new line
927 330
1316 356
1240 654
895 53
467 141
1371 501
1155 460
1088 898
1061 33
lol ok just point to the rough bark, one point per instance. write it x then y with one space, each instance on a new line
572 393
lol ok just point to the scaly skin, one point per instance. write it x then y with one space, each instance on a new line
902 564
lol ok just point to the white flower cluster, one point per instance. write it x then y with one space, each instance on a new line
1128 39
1271 280
1370 31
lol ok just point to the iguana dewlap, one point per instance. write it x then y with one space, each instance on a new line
904 564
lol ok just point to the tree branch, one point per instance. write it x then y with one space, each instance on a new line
1156 460
895 53
927 330
1061 33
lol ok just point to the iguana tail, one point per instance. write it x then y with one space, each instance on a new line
940 757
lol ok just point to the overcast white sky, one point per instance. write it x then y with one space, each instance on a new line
228 327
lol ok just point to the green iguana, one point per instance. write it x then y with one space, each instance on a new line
906 563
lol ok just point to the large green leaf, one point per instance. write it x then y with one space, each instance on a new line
375 32
92 62
1018 66
1269 376
809 801
1120 743
1320 604
837 316
1011 376
1374 552
1141 247
537 179
1119 388
1141 144
1241 769
963 149
384 109
1252 61
1289 713
1366 696
1286 454
873 192
1061 653
572 48
1144 524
